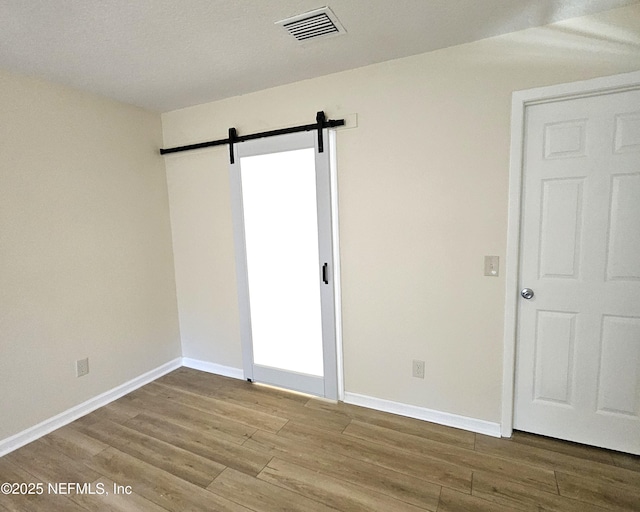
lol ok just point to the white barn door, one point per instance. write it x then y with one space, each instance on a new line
578 335
281 202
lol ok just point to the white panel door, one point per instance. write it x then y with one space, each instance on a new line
282 224
578 347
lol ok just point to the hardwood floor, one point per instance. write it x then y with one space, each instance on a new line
193 441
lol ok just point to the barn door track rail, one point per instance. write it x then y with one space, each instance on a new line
233 138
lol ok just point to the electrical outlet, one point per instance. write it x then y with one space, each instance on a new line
82 367
418 369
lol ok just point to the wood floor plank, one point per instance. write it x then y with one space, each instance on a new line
205 444
412 426
49 465
74 443
122 408
114 502
158 486
454 501
262 496
524 497
175 460
626 461
256 397
556 445
212 385
183 414
266 400
554 460
118 411
331 491
538 477
597 492
436 471
45 502
293 411
400 486
232 411
259 399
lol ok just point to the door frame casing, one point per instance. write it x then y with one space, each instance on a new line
519 102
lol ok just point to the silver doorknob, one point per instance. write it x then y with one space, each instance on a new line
526 293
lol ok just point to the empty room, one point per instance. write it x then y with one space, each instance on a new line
320 256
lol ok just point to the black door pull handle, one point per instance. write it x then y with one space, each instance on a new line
325 273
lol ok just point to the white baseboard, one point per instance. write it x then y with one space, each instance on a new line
411 411
31 434
218 369
443 418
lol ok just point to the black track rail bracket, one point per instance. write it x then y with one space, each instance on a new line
320 120
233 136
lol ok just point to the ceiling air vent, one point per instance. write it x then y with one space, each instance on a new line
316 24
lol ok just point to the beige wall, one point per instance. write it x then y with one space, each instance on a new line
423 190
86 267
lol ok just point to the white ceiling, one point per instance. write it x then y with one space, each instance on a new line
168 54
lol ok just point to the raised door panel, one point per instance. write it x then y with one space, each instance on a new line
619 375
554 355
623 258
560 228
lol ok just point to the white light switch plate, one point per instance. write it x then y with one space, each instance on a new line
491 266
